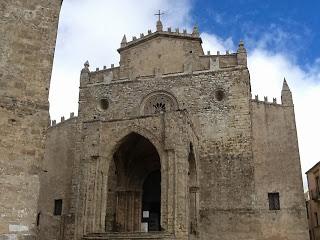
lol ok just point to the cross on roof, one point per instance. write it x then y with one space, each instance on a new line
159 14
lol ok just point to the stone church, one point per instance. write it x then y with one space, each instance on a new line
168 145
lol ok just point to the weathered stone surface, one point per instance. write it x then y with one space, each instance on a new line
27 39
220 152
312 198
167 108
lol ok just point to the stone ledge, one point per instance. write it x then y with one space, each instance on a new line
129 236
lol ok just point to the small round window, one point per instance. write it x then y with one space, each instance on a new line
219 95
103 104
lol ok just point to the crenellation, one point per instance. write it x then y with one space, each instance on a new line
63 120
214 63
265 101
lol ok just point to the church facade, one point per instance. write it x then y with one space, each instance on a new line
171 145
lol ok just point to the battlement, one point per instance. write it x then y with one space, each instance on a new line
265 100
286 97
161 53
54 123
204 63
194 35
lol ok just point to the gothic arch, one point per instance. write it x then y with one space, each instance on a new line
129 184
141 131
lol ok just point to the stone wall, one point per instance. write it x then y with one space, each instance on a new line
241 147
312 201
223 127
171 143
27 39
56 178
238 150
277 169
165 53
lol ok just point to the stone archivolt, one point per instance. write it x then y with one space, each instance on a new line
158 102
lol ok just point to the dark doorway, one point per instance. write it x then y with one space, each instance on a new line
151 199
134 186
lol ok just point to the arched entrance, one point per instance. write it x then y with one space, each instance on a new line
134 192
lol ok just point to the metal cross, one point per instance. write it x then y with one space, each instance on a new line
159 14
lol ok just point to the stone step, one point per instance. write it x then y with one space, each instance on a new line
129 236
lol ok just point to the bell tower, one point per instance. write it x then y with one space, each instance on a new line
28 32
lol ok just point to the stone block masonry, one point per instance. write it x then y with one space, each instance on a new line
170 132
27 40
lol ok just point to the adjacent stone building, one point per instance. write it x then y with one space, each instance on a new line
27 39
313 202
171 145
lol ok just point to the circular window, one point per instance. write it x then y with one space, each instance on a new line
103 104
219 95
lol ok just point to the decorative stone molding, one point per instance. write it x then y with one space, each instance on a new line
158 102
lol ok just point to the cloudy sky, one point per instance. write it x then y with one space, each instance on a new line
282 39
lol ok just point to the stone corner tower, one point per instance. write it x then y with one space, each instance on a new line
27 40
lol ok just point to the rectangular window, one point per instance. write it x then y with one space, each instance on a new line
317 185
274 201
57 207
38 218
316 218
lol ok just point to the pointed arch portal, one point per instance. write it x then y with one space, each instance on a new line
134 187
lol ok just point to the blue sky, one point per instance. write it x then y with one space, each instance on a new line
296 23
282 38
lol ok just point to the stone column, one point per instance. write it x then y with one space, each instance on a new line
193 209
181 204
168 202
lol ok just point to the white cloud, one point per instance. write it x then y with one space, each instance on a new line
267 71
93 30
214 43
